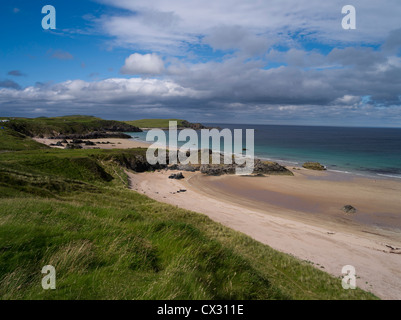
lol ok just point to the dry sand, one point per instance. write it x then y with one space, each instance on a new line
297 215
302 216
100 143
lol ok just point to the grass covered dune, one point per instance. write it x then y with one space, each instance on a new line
72 209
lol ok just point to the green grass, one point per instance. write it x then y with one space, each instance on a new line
45 127
72 209
153 123
11 140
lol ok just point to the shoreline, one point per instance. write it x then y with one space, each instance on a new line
328 240
297 215
118 143
290 164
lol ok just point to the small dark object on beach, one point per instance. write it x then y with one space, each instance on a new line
177 176
89 143
348 209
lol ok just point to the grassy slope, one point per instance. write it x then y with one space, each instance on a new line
11 140
153 123
72 209
61 125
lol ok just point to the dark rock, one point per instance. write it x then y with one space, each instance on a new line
314 166
260 168
348 209
73 146
77 141
269 167
59 144
177 176
217 169
89 143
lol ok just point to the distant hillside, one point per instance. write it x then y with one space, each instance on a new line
68 125
164 123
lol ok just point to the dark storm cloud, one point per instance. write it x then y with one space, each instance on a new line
9 84
16 73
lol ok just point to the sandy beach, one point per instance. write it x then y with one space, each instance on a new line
299 215
100 143
302 216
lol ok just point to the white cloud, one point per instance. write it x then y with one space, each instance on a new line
143 64
109 91
165 26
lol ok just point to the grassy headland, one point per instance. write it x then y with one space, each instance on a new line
153 123
72 209
164 123
52 127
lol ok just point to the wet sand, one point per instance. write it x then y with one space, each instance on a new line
315 196
302 216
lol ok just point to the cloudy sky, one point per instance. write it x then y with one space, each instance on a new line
232 61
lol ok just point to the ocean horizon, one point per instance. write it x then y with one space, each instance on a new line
374 152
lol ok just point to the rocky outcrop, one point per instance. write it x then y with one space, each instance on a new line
269 167
134 162
314 166
195 126
260 168
217 169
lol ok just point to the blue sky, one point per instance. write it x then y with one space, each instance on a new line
233 61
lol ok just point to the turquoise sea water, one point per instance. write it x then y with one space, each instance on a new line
366 151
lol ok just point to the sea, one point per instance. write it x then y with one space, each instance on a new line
373 152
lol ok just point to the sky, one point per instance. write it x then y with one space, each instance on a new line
210 61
